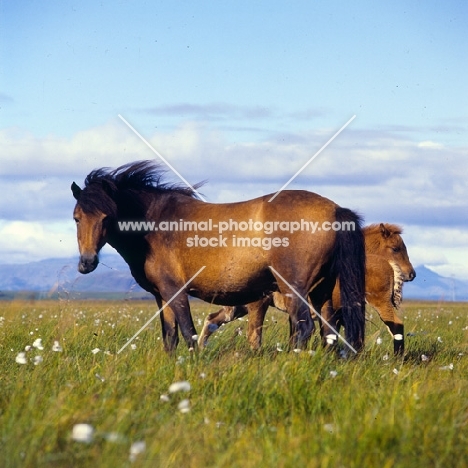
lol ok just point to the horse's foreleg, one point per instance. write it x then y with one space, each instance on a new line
388 315
214 320
180 306
169 326
396 329
257 311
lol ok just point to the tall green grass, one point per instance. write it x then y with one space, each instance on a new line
247 409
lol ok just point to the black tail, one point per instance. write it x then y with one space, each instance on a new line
350 267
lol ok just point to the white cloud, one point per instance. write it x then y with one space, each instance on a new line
430 144
22 242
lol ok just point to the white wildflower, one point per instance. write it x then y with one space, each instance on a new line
21 358
385 358
37 360
184 406
182 386
95 350
27 348
329 428
38 344
82 433
136 449
133 346
378 340
333 373
424 357
114 437
56 347
396 371
449 367
165 398
439 339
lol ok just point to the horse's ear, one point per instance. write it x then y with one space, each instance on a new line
76 190
385 232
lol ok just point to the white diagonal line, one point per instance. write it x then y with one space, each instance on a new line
310 307
161 309
173 169
312 158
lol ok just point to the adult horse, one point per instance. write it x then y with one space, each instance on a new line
167 261
387 267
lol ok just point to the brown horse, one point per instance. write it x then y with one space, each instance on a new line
387 267
147 222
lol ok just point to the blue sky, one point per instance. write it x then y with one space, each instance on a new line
242 94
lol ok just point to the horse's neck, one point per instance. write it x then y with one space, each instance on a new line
372 245
133 247
133 250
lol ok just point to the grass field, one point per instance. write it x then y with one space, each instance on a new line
271 408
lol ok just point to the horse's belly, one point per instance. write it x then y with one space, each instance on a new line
229 290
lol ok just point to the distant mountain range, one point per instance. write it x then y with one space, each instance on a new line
59 277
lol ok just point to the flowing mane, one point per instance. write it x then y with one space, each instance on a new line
140 175
134 180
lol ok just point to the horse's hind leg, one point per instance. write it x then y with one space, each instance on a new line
330 324
214 320
325 300
301 325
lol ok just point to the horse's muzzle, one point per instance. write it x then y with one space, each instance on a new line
411 275
87 263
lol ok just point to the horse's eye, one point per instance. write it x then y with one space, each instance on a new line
76 220
395 249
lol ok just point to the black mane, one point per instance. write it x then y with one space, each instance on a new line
133 180
140 175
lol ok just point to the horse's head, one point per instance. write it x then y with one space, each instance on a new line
92 214
385 240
